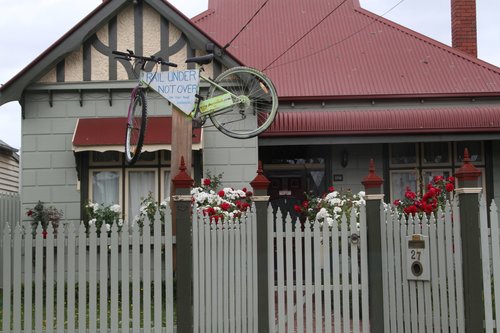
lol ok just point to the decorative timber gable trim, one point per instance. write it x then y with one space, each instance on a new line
83 54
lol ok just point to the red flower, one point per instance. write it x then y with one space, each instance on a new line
225 206
249 193
411 210
207 181
44 234
437 179
450 187
427 208
221 193
331 189
29 213
451 179
410 195
244 189
297 208
397 202
305 204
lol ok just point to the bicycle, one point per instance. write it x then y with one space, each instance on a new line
241 102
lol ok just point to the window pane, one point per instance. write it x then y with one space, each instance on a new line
166 184
475 150
105 185
403 153
141 183
400 180
428 175
436 152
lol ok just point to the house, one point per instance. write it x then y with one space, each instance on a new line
74 100
9 168
355 86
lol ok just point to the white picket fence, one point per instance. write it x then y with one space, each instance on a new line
70 290
491 265
423 306
321 280
225 275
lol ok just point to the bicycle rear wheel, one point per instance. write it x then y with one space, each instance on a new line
136 126
259 103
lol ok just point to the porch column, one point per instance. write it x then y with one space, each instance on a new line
184 252
468 192
373 188
261 199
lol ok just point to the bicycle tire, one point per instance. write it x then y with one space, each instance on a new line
261 102
136 126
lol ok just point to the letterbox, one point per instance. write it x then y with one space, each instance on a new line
417 258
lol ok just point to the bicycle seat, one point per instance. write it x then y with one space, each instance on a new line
201 60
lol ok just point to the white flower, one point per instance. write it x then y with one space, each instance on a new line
362 194
337 210
108 226
93 221
322 214
329 220
95 207
116 208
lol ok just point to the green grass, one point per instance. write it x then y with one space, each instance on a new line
98 309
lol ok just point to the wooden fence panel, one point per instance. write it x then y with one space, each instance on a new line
424 306
320 270
224 259
490 247
75 274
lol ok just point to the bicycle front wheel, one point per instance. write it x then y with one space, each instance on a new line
136 126
258 106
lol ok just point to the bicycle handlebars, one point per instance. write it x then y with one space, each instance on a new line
130 54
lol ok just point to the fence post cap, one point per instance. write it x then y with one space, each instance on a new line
372 181
467 171
260 182
182 180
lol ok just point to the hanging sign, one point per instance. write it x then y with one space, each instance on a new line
178 87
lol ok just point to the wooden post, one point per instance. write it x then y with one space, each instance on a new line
184 252
374 196
260 185
182 140
468 192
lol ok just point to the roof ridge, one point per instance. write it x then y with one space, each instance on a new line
428 40
203 15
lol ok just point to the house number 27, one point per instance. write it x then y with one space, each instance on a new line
415 255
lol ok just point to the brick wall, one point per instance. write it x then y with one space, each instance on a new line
463 26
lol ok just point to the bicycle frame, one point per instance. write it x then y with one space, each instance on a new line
213 105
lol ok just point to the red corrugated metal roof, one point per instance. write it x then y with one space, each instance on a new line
386 121
111 132
353 53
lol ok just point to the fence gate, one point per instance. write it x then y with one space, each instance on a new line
423 272
320 279
225 275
